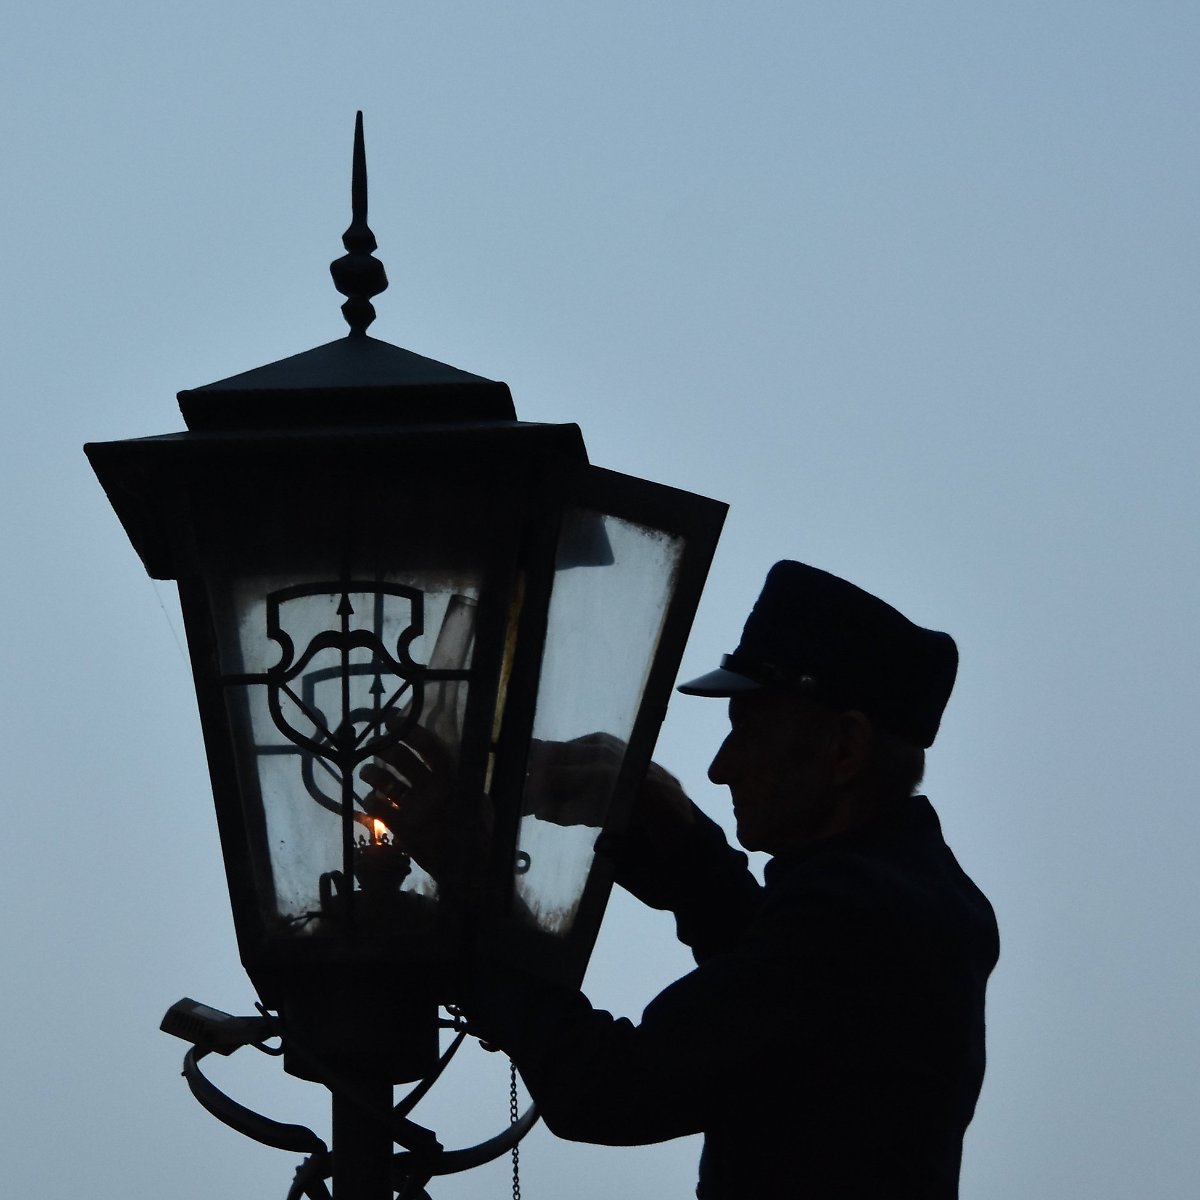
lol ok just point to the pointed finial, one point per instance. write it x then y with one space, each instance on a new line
357 275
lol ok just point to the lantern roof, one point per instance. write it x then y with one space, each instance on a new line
356 380
357 400
353 381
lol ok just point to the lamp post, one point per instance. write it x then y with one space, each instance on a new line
399 601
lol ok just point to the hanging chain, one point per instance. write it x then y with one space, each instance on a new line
512 1117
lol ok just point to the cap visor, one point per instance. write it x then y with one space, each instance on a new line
718 683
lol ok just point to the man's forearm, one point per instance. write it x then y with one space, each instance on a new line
696 875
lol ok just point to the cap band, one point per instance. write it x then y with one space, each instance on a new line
769 674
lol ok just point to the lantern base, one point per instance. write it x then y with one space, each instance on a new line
368 1028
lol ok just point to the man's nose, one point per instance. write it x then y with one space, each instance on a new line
718 769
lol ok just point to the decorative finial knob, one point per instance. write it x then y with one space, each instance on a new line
357 275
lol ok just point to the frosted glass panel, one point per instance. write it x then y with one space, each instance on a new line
604 625
326 677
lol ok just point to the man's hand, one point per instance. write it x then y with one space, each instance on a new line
571 783
413 794
663 815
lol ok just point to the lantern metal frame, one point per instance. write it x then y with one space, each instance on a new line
353 415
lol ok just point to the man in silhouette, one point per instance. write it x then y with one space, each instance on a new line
830 1041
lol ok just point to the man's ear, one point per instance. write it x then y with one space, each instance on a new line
851 739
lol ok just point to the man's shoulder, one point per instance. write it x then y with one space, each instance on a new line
901 849
897 877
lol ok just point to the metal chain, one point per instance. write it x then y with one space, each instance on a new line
512 1117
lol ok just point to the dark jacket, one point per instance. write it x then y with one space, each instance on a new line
830 1043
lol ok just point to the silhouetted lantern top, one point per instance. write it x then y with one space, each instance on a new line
380 566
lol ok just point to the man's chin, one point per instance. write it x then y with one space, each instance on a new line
749 837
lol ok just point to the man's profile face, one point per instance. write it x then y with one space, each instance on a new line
776 764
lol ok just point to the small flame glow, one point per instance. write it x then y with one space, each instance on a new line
380 832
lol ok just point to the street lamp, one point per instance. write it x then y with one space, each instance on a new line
400 603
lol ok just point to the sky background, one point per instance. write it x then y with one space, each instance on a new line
913 287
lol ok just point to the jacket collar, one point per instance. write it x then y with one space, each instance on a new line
913 814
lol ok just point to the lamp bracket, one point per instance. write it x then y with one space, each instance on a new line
212 1031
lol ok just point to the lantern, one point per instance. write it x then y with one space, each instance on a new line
403 607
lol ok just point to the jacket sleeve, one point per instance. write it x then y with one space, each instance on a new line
602 1079
702 880
713 1042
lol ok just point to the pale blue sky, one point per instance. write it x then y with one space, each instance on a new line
912 287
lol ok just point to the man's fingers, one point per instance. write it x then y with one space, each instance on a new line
593 749
385 778
399 766
430 748
417 739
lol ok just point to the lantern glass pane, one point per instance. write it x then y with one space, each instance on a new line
327 679
605 619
